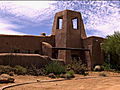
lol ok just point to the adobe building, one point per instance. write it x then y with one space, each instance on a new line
67 41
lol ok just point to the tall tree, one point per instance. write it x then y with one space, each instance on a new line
111 47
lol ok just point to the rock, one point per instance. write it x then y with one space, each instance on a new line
97 68
4 75
5 78
11 73
52 75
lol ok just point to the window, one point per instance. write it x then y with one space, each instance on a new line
75 23
59 23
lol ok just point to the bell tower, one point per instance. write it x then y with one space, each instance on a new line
69 31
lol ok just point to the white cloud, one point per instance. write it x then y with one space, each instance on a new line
34 4
103 17
23 12
6 28
100 17
29 10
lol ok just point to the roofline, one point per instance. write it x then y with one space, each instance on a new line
26 35
94 37
67 10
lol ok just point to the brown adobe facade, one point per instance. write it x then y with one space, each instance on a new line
65 43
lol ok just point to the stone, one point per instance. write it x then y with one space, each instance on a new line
11 73
5 78
52 75
97 68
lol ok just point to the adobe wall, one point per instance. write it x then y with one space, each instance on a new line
96 55
25 43
24 59
47 49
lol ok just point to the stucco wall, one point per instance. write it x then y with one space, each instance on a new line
96 55
26 43
25 60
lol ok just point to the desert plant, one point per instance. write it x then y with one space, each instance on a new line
30 71
77 66
70 74
111 47
19 70
106 66
35 71
55 67
5 69
112 44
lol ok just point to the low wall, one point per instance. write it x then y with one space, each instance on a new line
25 60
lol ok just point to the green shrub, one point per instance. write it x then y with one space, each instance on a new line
70 74
111 47
115 67
30 71
6 69
55 67
106 66
77 66
42 71
20 70
35 71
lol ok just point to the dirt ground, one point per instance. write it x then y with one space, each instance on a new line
91 82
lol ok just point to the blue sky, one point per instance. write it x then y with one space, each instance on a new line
101 18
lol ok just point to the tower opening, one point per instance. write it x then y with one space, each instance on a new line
59 23
75 23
